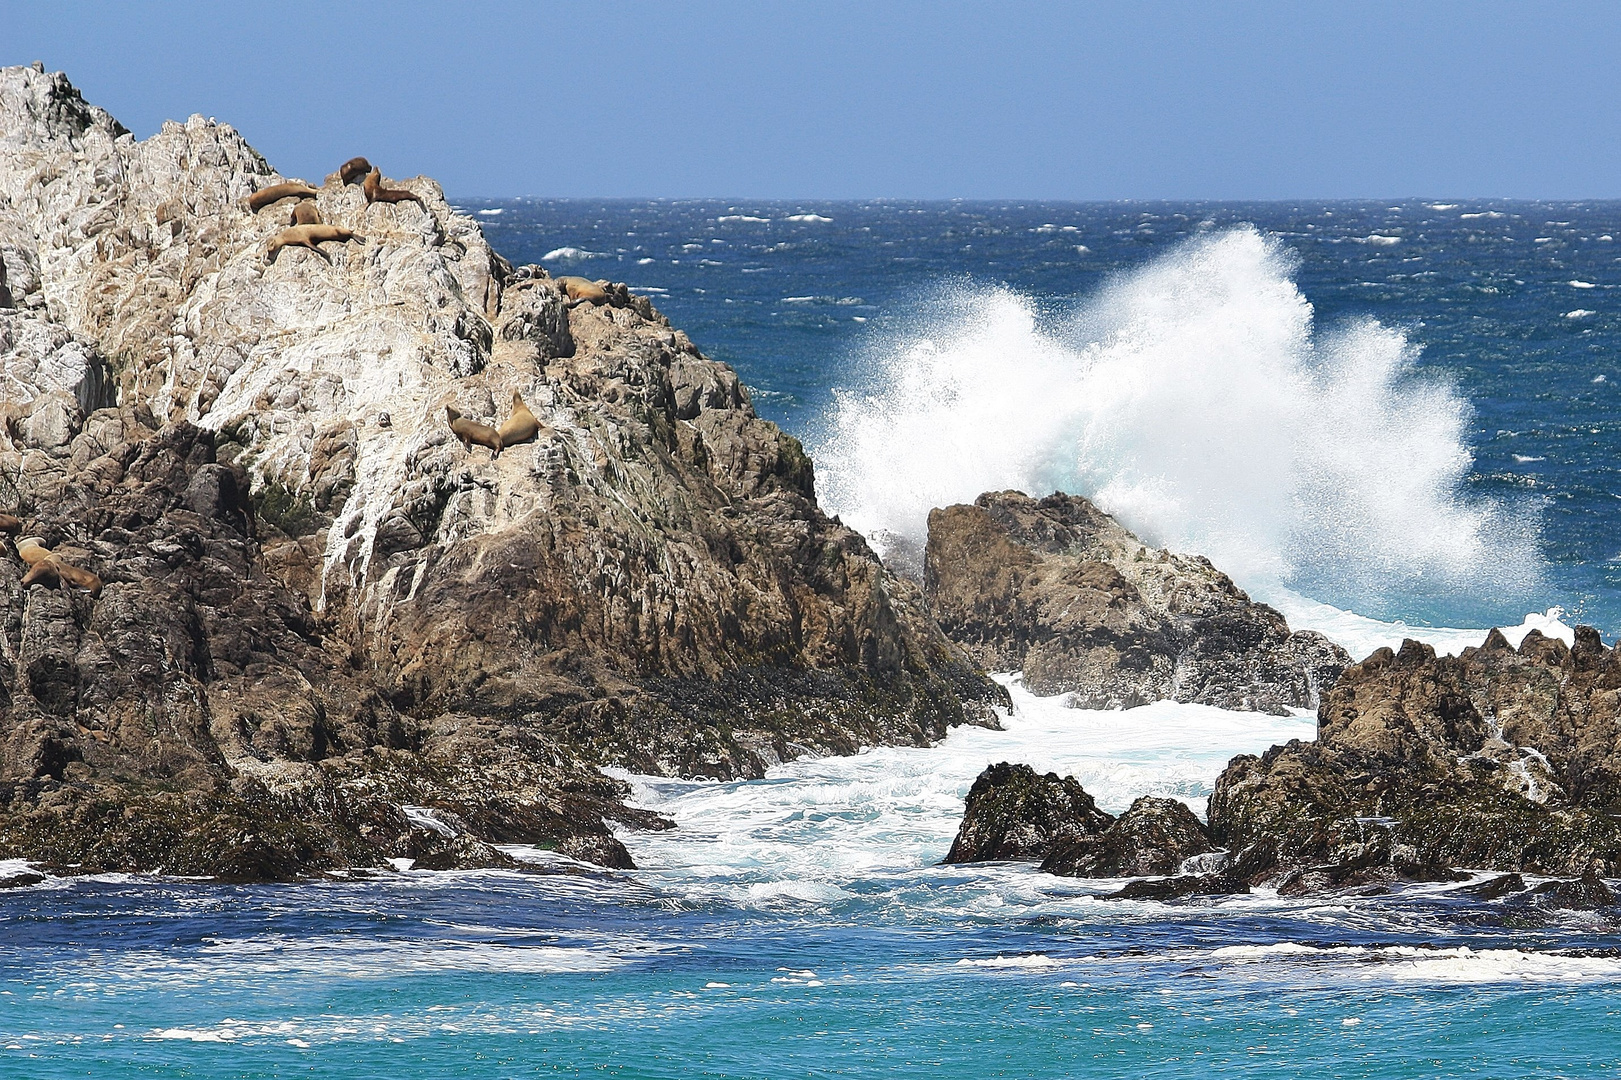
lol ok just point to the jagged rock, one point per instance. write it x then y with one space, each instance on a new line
1497 759
311 617
1498 887
1014 813
1152 838
1058 589
21 879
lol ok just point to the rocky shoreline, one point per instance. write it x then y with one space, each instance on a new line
331 635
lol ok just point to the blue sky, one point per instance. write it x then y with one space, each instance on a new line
921 100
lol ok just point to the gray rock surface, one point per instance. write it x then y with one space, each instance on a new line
1058 589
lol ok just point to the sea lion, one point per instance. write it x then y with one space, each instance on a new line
581 290
354 169
521 426
10 523
306 213
308 236
53 572
376 192
471 431
33 550
294 189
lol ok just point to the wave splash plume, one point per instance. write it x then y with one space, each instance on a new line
1195 400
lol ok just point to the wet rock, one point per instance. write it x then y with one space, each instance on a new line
21 879
1056 588
1499 758
1583 894
1176 888
1153 837
1012 812
1498 887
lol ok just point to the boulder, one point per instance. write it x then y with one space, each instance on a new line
1058 589
1012 812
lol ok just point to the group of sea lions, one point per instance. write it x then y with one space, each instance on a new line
306 228
520 427
44 566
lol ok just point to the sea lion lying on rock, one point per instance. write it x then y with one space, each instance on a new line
471 431
376 192
308 236
521 426
10 523
294 189
352 170
52 572
581 290
32 550
306 213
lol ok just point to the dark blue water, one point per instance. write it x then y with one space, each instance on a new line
798 926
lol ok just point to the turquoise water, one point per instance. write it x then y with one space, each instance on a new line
1453 375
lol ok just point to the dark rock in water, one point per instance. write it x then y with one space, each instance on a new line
601 850
1498 887
1058 589
21 880
1014 813
1175 888
1153 837
311 620
1583 894
1499 758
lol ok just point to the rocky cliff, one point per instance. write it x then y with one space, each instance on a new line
329 633
1495 759
1058 589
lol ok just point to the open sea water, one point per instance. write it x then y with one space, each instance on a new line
1386 419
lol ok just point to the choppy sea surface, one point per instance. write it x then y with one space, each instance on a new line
1387 419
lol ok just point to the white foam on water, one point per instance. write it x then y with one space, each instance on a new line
1408 964
808 217
814 832
572 254
1196 400
1360 635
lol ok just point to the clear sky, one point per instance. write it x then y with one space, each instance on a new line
833 100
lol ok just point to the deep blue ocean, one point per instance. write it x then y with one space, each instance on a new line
1384 417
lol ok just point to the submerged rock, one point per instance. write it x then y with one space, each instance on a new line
1012 812
1058 589
319 607
1497 759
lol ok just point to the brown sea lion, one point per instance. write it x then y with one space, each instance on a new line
10 523
308 236
306 213
53 572
581 290
354 169
376 192
33 550
471 431
293 189
521 426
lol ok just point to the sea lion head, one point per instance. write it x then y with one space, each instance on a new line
452 414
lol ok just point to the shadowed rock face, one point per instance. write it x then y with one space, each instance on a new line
320 608
1495 759
1057 588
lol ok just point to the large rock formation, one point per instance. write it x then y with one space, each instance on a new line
1495 759
1059 589
330 634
